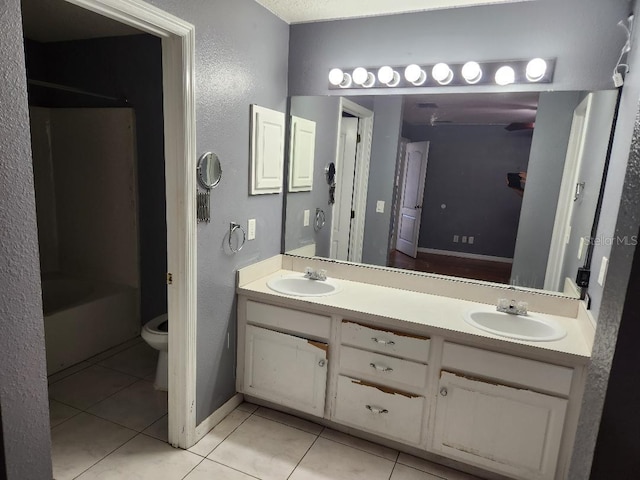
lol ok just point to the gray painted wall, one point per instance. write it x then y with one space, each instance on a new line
546 164
325 111
387 125
581 34
23 382
240 58
466 171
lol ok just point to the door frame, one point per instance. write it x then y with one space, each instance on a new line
361 182
178 58
564 210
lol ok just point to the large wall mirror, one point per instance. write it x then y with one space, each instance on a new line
499 187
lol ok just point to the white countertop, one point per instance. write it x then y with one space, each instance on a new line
437 314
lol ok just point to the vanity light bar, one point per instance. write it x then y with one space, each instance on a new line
537 70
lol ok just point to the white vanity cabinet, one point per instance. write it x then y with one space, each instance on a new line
382 381
510 430
289 369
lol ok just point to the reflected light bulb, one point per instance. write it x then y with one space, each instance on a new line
388 76
505 75
471 72
442 74
536 69
414 74
336 76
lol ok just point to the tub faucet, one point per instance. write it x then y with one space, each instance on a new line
512 307
312 274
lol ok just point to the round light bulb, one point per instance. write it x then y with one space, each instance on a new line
471 72
536 69
441 73
388 76
360 75
336 76
414 74
505 75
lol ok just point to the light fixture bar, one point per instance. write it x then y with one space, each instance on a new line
438 75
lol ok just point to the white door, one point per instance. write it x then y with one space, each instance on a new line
286 370
584 164
341 220
412 193
507 430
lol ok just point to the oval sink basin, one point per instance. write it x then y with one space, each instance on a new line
520 327
300 286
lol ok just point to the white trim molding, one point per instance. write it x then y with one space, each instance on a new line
216 417
475 256
178 54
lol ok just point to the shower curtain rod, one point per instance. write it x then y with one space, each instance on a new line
57 86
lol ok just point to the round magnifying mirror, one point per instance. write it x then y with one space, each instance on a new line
330 172
209 170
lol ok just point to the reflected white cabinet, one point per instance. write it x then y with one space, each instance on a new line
507 430
302 152
284 369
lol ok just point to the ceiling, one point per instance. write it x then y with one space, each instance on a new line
303 11
59 21
471 108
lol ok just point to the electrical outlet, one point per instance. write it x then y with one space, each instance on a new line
464 239
380 206
306 218
455 238
470 240
603 271
251 229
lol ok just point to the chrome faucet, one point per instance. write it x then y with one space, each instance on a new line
512 307
312 274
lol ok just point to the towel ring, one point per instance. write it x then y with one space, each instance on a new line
320 220
233 227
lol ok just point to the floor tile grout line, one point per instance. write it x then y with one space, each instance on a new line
66 419
120 371
125 426
301 459
111 395
194 467
289 425
93 465
232 468
392 470
363 450
227 436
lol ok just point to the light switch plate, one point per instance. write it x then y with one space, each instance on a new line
455 238
306 218
583 242
470 240
603 271
380 206
251 229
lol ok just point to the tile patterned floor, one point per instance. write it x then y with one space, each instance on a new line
109 423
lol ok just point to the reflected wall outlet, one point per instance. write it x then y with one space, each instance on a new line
464 239
306 218
380 206
470 240
455 238
251 229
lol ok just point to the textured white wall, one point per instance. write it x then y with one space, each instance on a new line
23 382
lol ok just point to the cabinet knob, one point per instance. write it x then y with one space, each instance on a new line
322 363
377 410
382 341
443 391
380 368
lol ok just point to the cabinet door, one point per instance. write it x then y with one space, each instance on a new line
504 429
287 370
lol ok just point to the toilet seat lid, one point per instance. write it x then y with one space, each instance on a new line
158 324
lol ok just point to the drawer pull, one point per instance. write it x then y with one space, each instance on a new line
321 363
443 391
377 410
381 368
383 342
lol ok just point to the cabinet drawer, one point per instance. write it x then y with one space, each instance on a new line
379 410
288 320
382 368
506 368
385 341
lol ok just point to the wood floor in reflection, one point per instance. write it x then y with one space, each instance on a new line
487 270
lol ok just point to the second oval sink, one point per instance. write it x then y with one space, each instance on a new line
300 286
520 327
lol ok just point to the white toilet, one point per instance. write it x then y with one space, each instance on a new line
156 333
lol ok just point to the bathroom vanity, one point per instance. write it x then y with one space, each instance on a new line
386 359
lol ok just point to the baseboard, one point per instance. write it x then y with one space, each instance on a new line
217 416
475 256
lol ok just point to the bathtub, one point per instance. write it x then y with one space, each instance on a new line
85 317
